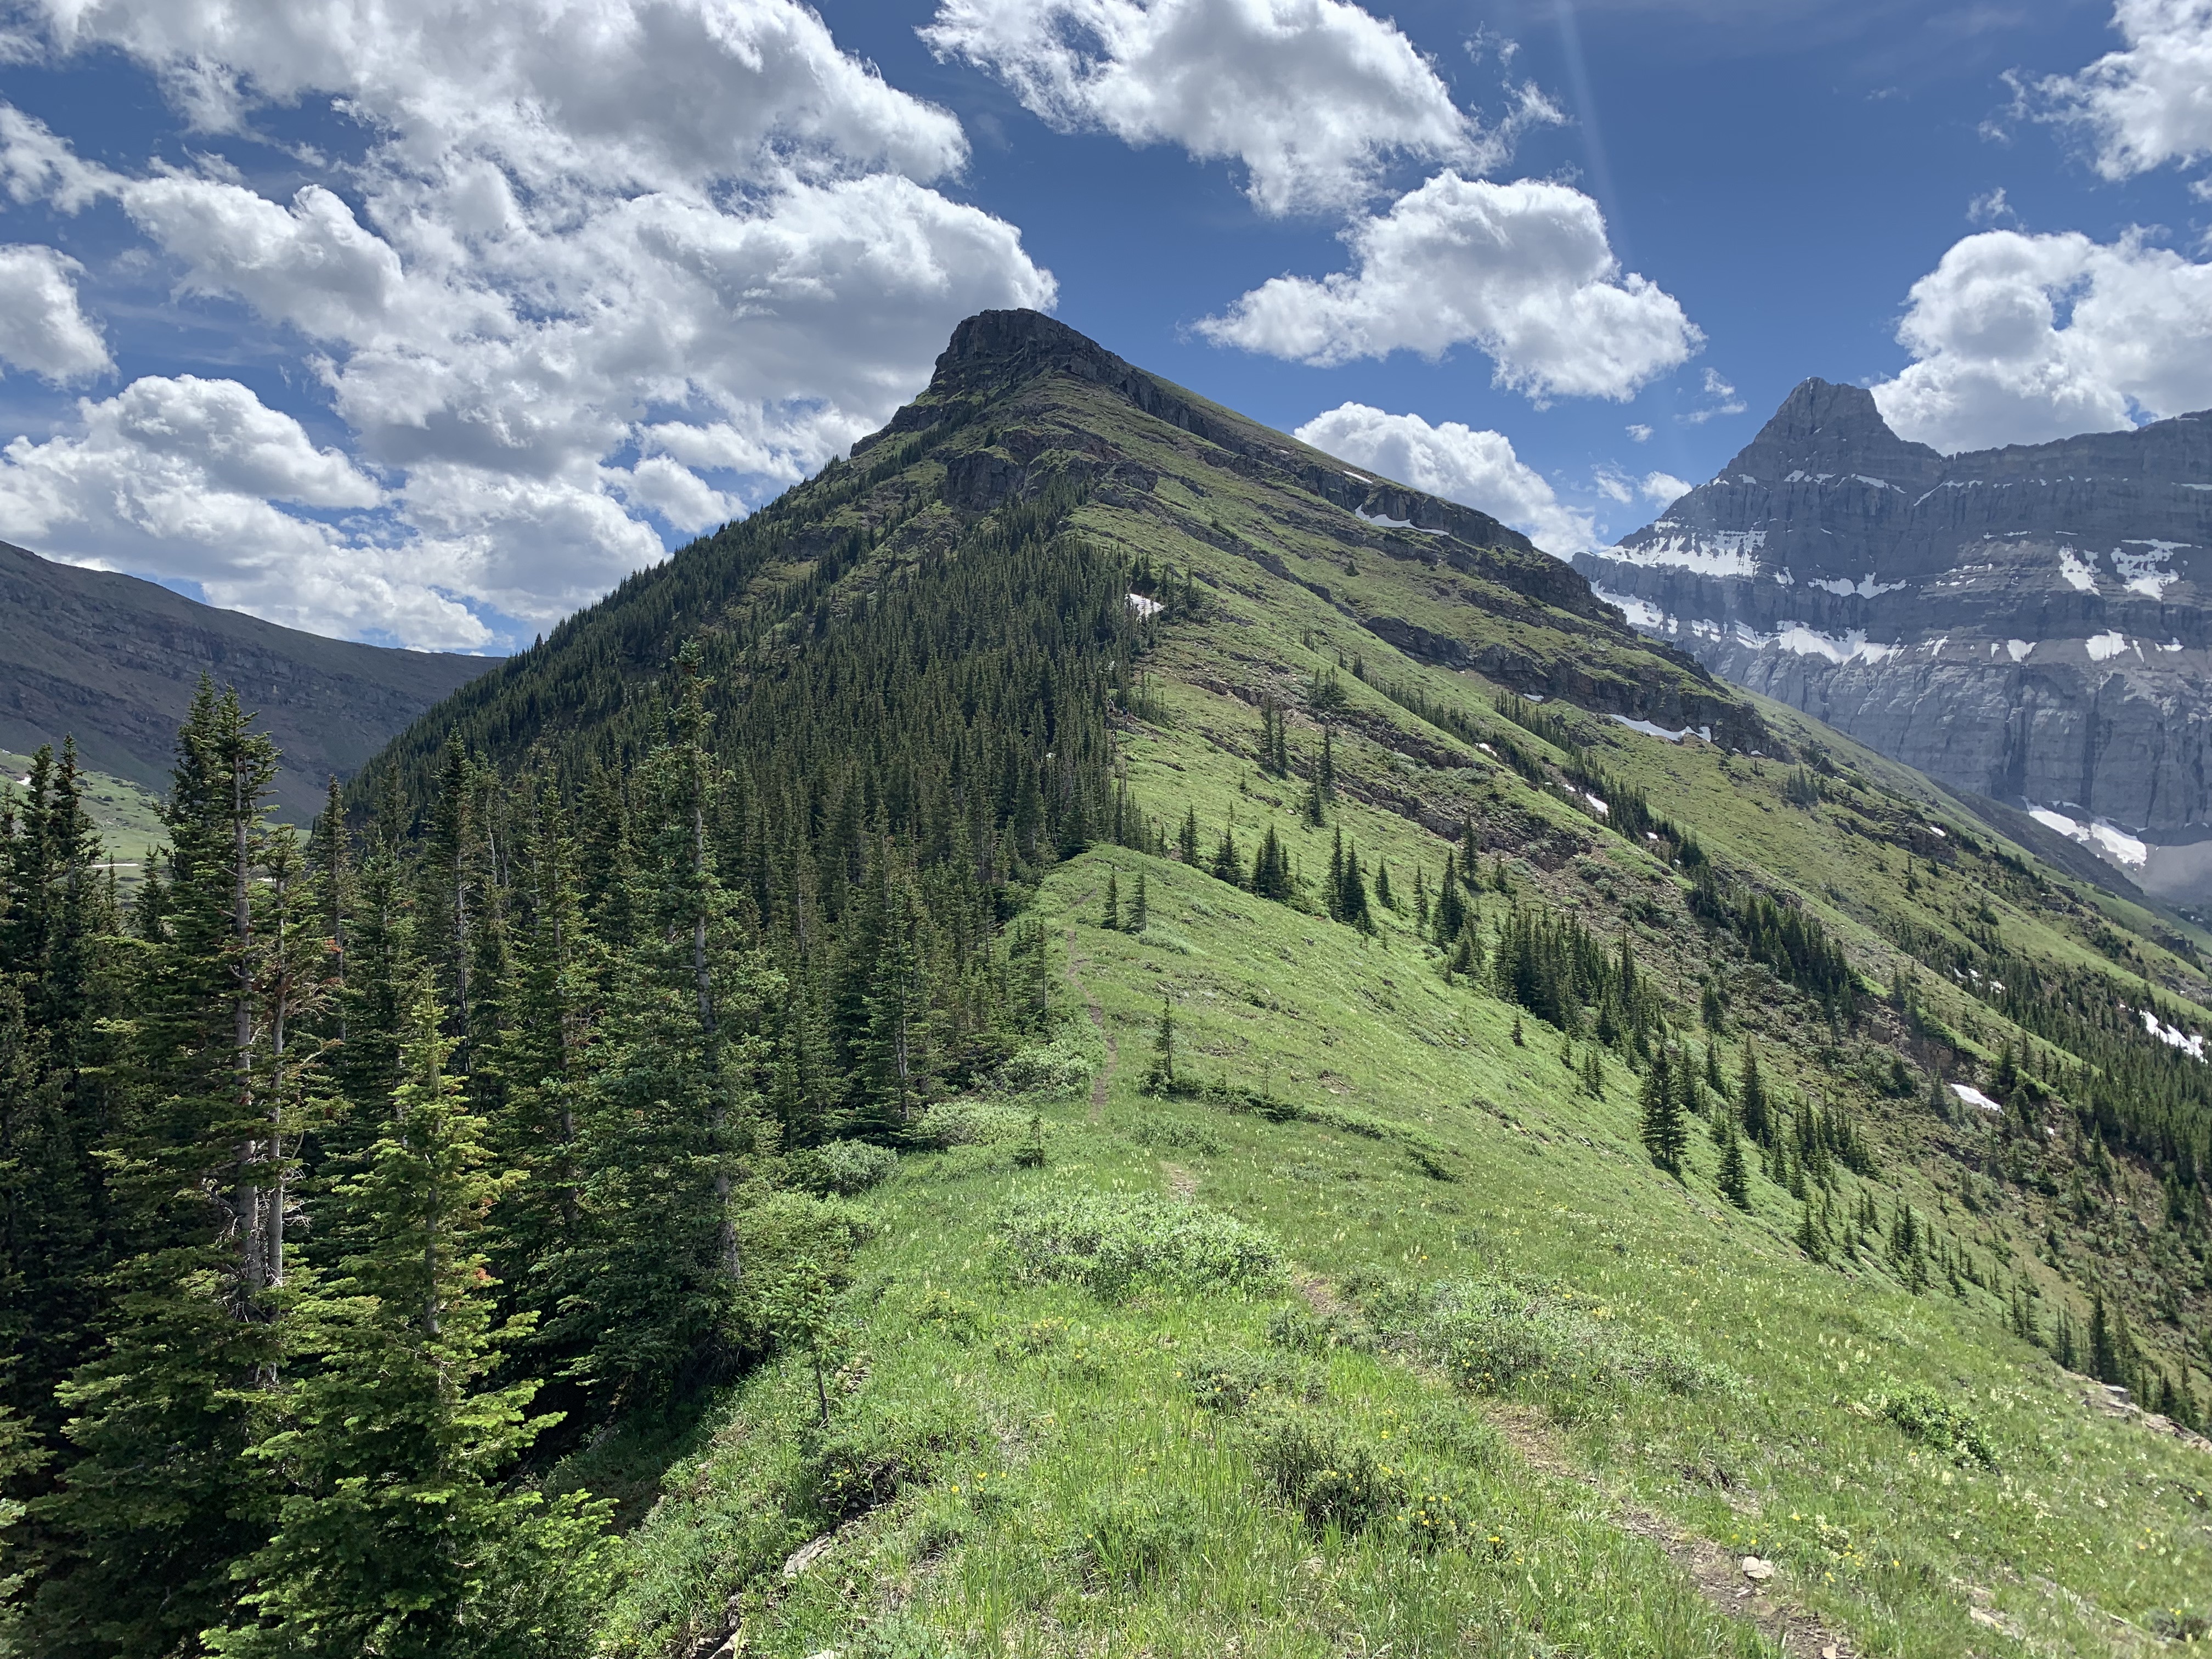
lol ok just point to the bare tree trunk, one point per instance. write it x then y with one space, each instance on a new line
717 1112
253 1226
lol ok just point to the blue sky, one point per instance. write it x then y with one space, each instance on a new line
426 322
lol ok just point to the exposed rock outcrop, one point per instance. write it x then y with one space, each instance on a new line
2028 622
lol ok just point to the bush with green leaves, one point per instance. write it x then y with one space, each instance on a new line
1495 1335
1178 1133
970 1123
841 1168
1306 1330
1232 1381
1112 1242
1936 1422
1327 1473
1060 1066
878 1448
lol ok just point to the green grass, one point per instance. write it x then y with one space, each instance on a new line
1061 1487
1382 1334
129 817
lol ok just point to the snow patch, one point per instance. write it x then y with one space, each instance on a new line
1144 607
2144 571
2018 649
1386 523
1724 553
1661 732
1972 1096
2176 645
2102 646
1602 808
2109 841
2173 1038
2077 570
1854 647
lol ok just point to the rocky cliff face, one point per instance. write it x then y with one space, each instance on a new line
2029 623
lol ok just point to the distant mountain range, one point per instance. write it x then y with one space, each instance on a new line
2027 624
113 661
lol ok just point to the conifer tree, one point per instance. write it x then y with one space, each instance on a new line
1228 863
1735 1181
1140 912
1812 1237
152 1510
1664 1133
1187 838
1349 885
2104 1346
1752 1103
1160 1074
395 1531
1271 870
59 986
1111 918
1451 911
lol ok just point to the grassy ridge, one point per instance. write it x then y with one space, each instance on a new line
1061 1490
1493 1382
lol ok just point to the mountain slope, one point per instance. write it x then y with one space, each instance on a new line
2027 624
1376 1321
112 661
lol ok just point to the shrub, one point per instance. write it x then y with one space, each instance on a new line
1926 1416
1110 1243
1329 1475
841 1168
865 1460
970 1123
1232 1381
1175 1132
963 1321
1495 1336
1304 1331
1060 1067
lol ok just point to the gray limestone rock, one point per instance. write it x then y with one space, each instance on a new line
2033 623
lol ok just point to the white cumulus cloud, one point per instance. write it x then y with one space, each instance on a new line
598 270
1313 96
182 477
43 329
1475 469
2023 339
2149 103
1522 270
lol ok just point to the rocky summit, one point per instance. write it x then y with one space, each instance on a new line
2028 623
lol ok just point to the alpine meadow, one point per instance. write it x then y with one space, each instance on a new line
1094 1034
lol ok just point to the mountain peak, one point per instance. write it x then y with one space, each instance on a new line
1823 427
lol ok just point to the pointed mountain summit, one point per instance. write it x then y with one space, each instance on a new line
1822 426
2029 623
1022 409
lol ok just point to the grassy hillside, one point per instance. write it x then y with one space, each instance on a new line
129 817
112 661
1378 1328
